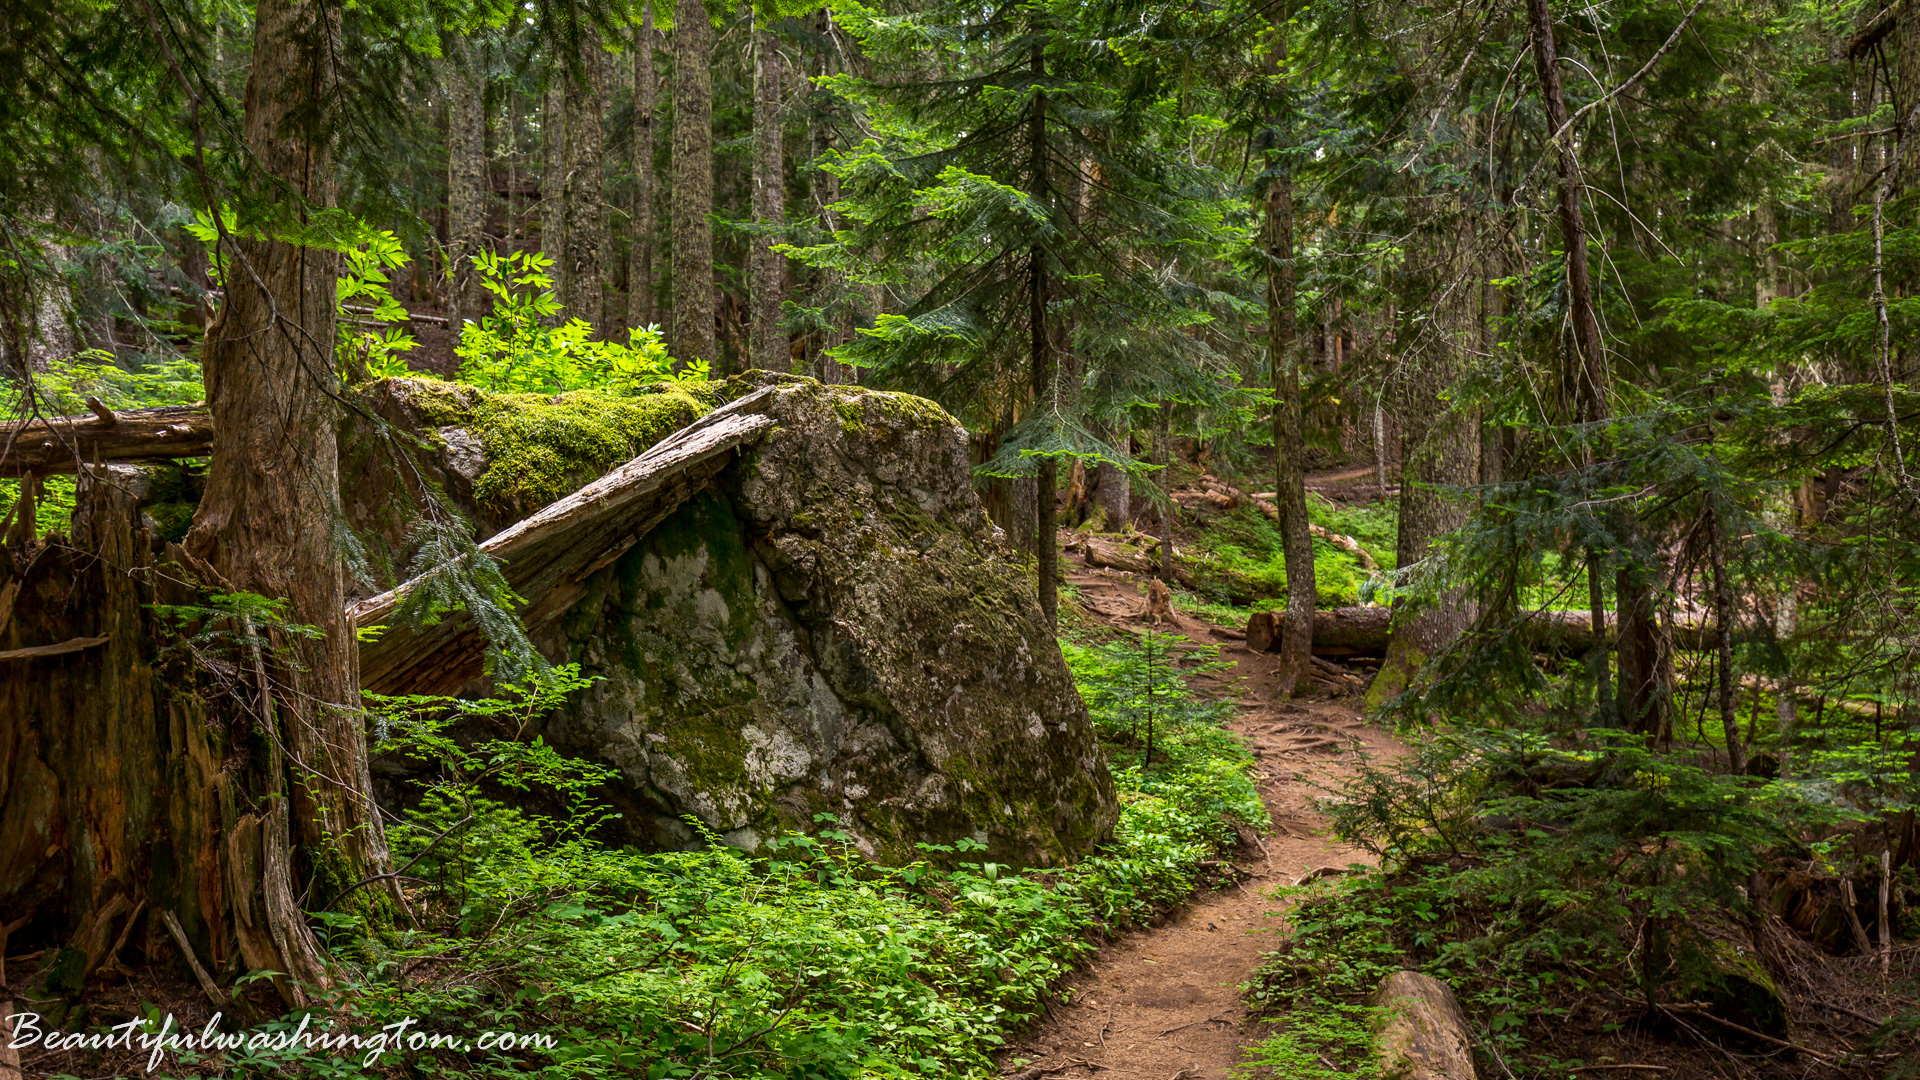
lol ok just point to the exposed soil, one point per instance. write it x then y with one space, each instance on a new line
1165 1004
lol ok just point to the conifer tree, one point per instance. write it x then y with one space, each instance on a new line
963 204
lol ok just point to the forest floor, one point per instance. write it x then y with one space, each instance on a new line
1165 1004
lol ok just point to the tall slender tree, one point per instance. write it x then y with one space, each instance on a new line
768 271
463 81
1275 206
640 268
584 242
692 334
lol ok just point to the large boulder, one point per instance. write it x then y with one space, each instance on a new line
810 616
832 627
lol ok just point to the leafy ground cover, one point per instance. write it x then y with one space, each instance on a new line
807 961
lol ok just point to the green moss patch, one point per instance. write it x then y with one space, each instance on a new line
541 447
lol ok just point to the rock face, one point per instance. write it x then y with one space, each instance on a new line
830 626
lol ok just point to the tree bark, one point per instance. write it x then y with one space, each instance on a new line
640 306
1289 449
1439 450
1041 354
1723 641
464 82
1163 449
553 145
266 522
692 336
584 247
768 341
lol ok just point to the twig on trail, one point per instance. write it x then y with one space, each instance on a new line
1103 1029
1089 1064
1190 1023
1036 1072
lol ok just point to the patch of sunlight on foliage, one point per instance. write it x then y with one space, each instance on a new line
1244 541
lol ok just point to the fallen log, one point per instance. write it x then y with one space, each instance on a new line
62 444
1343 631
1348 630
1237 587
546 558
1340 541
1420 1031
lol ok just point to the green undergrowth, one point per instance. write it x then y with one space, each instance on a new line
1554 881
1243 544
804 960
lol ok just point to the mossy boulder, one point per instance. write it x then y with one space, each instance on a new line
832 627
1733 984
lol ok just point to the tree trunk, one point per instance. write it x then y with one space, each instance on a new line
553 145
693 333
266 523
1646 687
584 247
464 82
1644 699
1585 380
1113 493
1041 352
1289 443
768 340
1163 449
640 307
1723 641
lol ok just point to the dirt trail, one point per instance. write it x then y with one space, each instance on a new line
1164 1004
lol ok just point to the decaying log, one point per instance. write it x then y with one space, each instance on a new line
1100 553
37 651
546 558
61 444
1420 1031
1338 631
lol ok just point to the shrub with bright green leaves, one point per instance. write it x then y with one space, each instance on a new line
516 348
